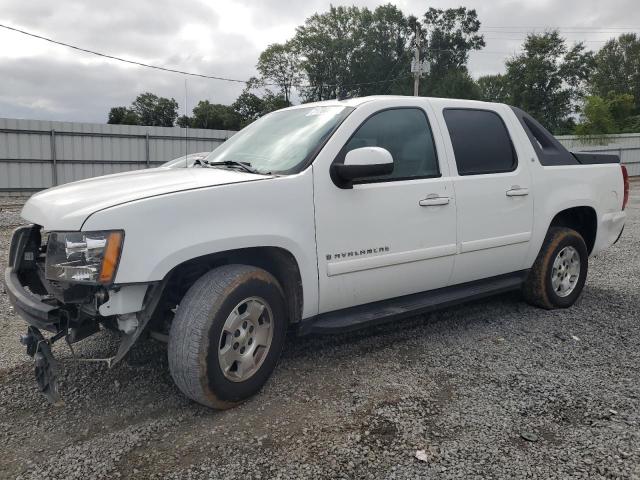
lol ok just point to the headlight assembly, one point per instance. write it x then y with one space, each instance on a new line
83 257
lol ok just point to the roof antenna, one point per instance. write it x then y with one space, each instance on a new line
186 125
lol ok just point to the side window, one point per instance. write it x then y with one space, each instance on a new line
406 134
481 142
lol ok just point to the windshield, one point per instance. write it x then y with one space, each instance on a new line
281 142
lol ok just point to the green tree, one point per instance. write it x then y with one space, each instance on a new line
326 43
250 106
184 121
353 51
451 35
273 102
617 68
155 111
123 116
548 80
215 116
598 119
456 83
381 61
613 114
280 64
622 107
494 88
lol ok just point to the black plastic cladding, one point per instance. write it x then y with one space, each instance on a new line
549 150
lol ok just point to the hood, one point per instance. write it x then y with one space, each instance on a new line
67 207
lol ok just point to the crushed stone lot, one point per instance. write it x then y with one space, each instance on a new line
490 389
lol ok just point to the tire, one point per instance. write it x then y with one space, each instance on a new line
549 288
201 356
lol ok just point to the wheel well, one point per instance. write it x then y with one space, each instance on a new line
277 261
581 219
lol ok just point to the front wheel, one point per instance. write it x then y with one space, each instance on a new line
227 335
560 270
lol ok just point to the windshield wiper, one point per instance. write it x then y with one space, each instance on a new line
232 163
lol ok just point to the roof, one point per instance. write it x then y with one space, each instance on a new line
355 102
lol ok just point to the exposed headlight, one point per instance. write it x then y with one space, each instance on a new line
83 257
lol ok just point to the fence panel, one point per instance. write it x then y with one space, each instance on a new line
37 154
626 145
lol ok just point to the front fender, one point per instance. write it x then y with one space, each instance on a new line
221 245
165 231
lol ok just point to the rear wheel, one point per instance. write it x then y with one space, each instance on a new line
560 270
227 335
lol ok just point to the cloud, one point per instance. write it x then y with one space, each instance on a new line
118 26
52 89
44 81
47 81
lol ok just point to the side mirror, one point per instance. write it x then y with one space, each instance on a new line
361 163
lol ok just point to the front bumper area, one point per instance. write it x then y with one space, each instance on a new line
69 312
33 309
35 305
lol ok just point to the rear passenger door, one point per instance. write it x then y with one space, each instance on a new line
493 192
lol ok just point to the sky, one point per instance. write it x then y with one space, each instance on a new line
39 80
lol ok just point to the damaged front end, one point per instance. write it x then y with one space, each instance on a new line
64 285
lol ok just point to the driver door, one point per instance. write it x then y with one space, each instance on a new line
389 235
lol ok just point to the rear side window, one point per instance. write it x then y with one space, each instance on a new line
480 141
406 134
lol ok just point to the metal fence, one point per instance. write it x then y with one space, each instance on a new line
626 145
37 154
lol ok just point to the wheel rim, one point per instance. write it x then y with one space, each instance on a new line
245 339
566 271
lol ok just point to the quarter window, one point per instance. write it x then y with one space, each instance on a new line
406 134
480 140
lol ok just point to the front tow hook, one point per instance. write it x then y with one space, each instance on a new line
46 366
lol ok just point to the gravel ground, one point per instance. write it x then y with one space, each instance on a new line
492 389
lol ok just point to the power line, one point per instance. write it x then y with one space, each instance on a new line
556 27
182 72
522 39
565 32
120 59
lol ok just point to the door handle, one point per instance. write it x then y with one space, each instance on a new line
517 191
433 200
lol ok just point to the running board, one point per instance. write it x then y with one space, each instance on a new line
362 316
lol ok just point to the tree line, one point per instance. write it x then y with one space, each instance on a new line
352 51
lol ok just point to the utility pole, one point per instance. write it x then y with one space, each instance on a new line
416 66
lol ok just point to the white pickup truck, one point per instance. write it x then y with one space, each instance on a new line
317 218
